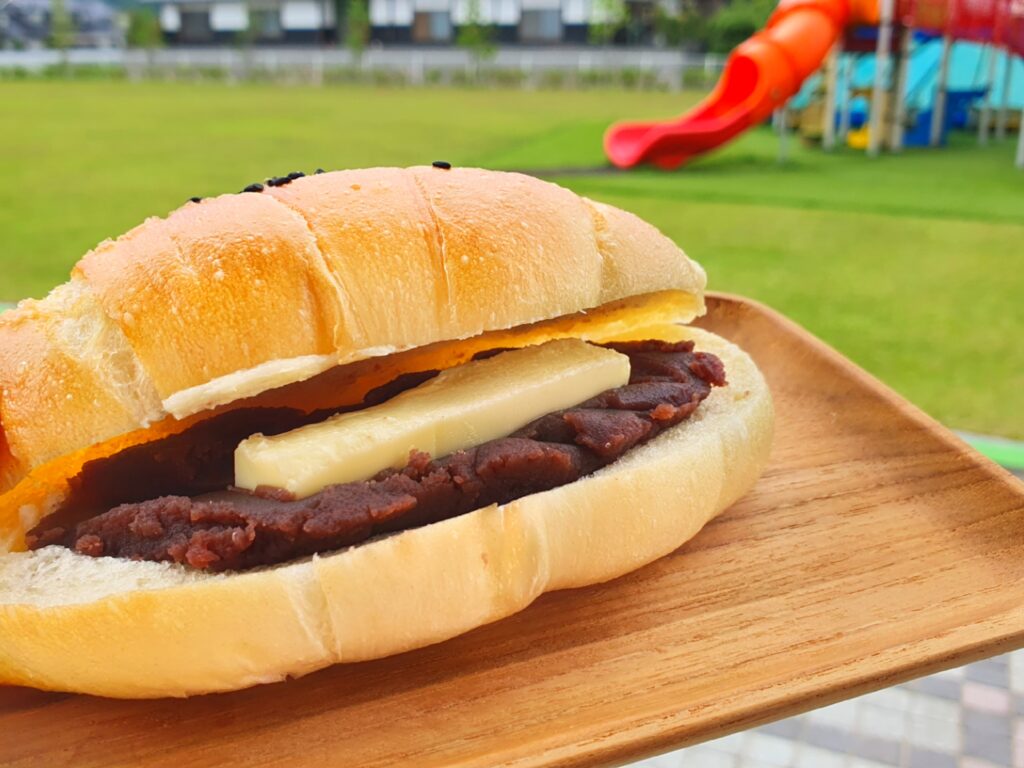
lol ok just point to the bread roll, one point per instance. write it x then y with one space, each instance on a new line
307 295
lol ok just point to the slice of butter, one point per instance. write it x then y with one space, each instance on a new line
460 408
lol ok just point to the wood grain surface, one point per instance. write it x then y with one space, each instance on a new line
877 547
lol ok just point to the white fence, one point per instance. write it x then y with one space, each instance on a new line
666 68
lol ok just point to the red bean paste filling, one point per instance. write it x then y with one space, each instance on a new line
233 530
197 461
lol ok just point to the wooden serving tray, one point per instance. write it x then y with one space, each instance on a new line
877 547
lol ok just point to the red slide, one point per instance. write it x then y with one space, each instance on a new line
760 75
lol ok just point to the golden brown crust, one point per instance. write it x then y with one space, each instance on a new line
515 251
378 241
66 378
637 257
95 625
332 267
217 287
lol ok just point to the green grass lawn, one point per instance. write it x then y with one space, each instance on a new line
913 265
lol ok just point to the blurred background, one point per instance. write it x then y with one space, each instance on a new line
869 186
910 262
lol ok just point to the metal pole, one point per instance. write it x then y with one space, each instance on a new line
1004 101
939 103
844 105
878 89
899 111
828 120
779 116
985 119
1020 142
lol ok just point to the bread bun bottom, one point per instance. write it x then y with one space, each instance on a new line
140 629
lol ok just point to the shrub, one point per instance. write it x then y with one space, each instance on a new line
341 75
391 78
596 78
504 77
553 79
211 73
15 73
697 77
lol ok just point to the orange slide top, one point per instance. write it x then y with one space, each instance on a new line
761 74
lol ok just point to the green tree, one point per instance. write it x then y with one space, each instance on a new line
609 16
737 21
476 37
62 28
357 27
246 37
687 27
143 29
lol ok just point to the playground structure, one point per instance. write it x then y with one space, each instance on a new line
764 72
984 90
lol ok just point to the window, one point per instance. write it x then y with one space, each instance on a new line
195 27
432 27
541 26
265 23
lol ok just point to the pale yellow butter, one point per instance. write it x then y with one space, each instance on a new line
462 407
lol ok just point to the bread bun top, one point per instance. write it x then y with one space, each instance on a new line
242 293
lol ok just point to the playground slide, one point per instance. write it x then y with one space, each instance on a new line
760 75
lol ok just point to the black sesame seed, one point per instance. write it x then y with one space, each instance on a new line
442 164
295 175
195 199
257 187
277 181
318 171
